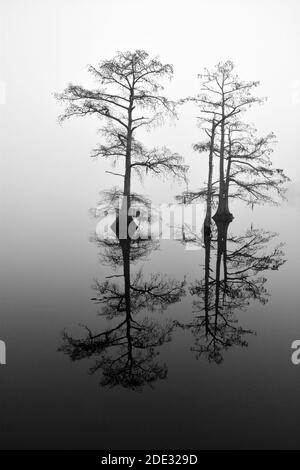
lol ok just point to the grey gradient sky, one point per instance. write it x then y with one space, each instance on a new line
47 174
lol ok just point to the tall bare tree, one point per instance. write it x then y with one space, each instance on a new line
245 167
128 97
223 97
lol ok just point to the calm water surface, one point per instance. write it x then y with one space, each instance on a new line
190 361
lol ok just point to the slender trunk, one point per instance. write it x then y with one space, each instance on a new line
207 243
218 274
220 210
222 227
226 191
127 178
207 221
125 245
225 226
124 219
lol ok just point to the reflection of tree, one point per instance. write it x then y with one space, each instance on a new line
127 353
235 281
111 254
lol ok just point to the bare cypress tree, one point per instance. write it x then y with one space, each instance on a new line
222 97
129 96
245 167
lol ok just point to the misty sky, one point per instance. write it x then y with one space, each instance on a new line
47 175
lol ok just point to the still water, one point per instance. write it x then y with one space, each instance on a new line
154 345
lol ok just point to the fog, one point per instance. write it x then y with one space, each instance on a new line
48 179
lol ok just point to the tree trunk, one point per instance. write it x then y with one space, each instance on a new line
226 200
222 226
127 178
222 210
207 221
125 245
226 191
124 218
207 243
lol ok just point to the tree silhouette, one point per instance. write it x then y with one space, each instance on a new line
237 278
128 97
127 353
245 168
